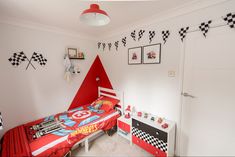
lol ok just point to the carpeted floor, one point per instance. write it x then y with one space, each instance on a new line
111 146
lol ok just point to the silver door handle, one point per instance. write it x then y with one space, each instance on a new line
188 95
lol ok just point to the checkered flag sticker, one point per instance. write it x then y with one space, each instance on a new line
104 45
124 41
116 45
17 58
230 19
183 32
204 27
151 35
99 44
1 123
133 35
37 57
165 35
141 33
109 45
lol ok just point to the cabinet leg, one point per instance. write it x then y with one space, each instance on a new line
86 145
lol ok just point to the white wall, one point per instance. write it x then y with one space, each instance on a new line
148 87
27 95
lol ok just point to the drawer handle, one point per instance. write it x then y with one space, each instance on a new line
157 133
138 141
138 124
156 152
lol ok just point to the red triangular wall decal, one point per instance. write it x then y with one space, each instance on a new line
88 91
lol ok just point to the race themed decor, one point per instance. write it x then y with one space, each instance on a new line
109 45
151 35
204 27
141 33
17 58
124 41
20 57
183 32
230 19
165 35
99 44
116 45
103 44
133 35
1 123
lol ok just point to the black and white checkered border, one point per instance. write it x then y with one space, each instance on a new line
150 139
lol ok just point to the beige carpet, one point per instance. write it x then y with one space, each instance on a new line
111 146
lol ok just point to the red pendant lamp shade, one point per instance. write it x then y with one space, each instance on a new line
94 16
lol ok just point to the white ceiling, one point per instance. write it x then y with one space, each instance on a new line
64 14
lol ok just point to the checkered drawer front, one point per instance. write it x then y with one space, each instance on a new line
150 139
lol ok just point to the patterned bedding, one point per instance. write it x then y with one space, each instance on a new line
55 135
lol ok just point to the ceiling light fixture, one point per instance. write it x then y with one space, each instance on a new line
94 16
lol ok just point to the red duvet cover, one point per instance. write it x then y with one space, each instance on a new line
56 134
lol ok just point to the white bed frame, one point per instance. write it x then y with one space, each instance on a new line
101 92
110 93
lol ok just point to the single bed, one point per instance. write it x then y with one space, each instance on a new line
58 134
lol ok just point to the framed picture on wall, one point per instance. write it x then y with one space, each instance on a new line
152 54
135 55
72 52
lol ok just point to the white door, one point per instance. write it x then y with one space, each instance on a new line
208 120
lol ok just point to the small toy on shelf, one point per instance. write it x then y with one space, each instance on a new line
128 112
165 125
133 111
139 114
152 119
145 115
160 120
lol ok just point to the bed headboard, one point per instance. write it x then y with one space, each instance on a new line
112 94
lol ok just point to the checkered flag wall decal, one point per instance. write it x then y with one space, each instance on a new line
165 35
183 32
17 58
99 44
230 19
104 45
151 35
133 35
124 41
109 45
204 27
1 123
116 45
141 33
37 57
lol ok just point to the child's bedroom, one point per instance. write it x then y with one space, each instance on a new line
117 78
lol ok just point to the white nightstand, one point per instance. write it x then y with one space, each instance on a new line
124 127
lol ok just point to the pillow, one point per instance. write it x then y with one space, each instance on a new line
107 103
